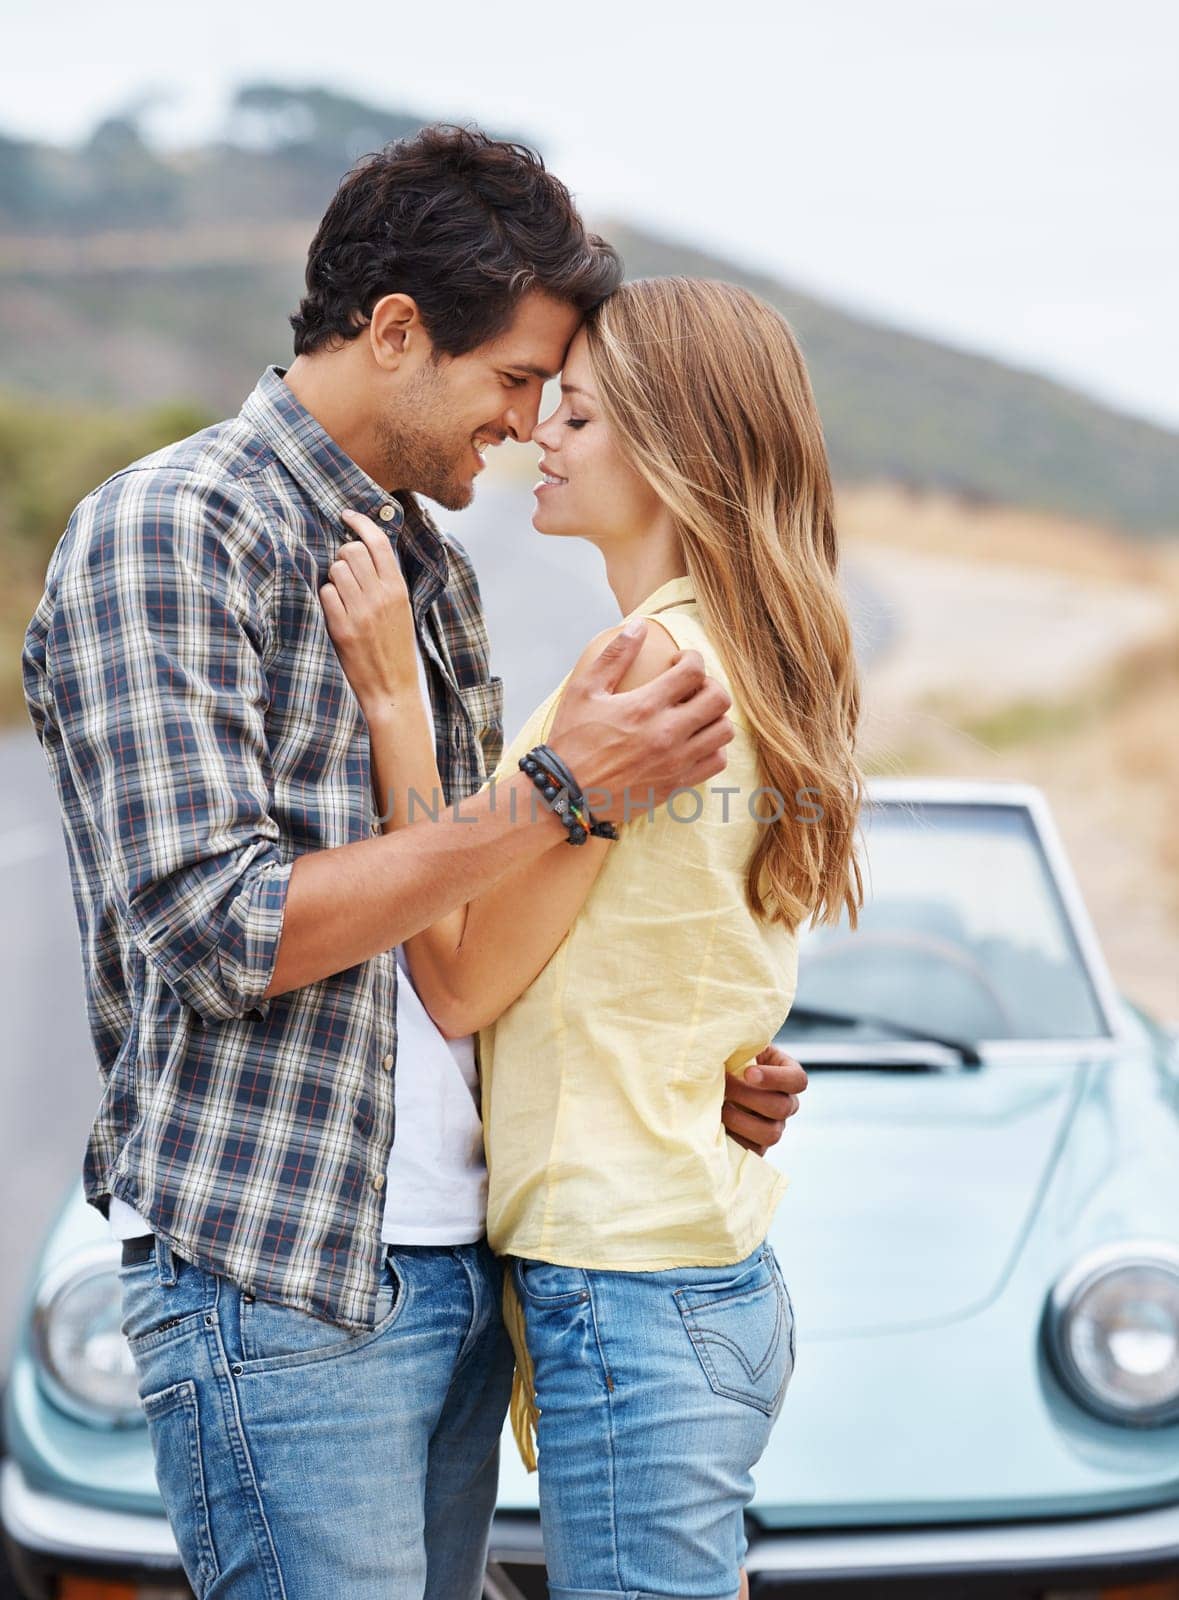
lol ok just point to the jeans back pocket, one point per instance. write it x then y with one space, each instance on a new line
742 1331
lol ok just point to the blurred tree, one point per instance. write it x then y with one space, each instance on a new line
22 183
318 124
121 182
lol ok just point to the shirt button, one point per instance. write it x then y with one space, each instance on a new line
387 513
387 1063
379 1182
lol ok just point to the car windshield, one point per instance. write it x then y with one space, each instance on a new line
962 934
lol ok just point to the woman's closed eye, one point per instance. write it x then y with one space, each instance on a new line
576 422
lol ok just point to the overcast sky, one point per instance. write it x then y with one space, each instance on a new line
997 173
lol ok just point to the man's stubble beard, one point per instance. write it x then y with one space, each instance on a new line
422 456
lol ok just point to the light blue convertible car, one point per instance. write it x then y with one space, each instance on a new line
981 1239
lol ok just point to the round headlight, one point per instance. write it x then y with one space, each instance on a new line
1112 1325
84 1363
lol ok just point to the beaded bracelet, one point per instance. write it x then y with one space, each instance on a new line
562 794
546 754
552 762
549 757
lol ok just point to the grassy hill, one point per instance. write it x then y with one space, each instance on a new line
131 278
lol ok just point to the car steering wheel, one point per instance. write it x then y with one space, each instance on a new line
927 943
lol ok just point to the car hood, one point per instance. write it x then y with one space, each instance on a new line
910 1192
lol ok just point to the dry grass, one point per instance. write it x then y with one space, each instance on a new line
1105 750
941 525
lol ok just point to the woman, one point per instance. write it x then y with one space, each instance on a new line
613 982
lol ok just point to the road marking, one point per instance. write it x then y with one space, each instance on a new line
25 844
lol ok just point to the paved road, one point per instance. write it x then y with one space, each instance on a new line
544 600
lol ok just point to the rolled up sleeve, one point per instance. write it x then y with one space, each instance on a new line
157 652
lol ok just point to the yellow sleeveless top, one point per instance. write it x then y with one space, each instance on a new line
602 1084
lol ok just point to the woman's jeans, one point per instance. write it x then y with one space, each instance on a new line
299 1460
657 1392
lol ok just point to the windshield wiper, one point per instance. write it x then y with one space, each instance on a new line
852 1019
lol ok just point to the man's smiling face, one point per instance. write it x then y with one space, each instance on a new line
450 410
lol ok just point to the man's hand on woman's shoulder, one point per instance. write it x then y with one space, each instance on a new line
668 731
656 652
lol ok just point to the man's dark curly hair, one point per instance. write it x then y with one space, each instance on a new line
463 223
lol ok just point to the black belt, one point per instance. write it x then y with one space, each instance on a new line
137 1250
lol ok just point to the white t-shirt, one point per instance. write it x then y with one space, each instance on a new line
436 1179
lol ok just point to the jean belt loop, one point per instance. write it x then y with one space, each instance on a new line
166 1268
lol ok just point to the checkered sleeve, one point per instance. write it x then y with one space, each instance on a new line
158 643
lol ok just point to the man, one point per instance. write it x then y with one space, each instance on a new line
312 1306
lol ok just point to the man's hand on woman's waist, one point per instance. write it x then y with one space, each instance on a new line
757 1105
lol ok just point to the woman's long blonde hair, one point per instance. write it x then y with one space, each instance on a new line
707 393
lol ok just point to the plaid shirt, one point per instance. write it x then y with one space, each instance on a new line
201 734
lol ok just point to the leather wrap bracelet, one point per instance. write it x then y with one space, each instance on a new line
562 794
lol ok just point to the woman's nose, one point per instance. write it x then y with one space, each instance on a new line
542 434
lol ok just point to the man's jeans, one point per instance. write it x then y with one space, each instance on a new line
303 1461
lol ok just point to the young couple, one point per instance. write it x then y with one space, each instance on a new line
255 641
